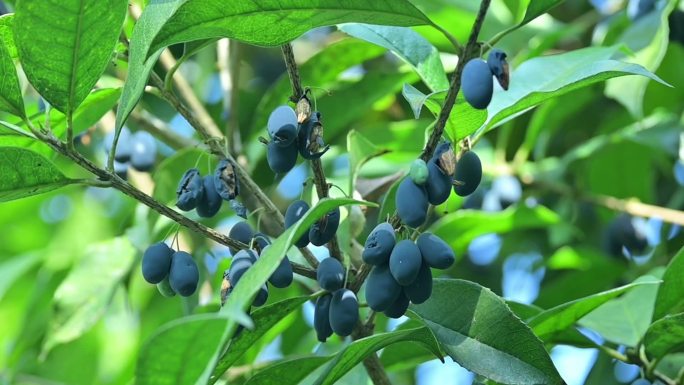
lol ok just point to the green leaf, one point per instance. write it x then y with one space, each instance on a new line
555 320
7 34
93 108
65 46
140 65
265 318
417 100
82 298
408 45
11 99
322 69
361 150
536 8
258 274
670 298
353 354
624 320
12 269
24 173
289 371
665 336
179 351
275 22
528 10
484 336
293 371
542 78
462 226
647 39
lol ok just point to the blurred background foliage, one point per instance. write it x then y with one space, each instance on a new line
75 310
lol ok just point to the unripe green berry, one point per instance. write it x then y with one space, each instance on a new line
419 172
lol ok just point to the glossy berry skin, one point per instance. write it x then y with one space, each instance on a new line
156 262
238 267
641 381
226 180
295 212
399 307
382 290
477 83
260 242
282 126
344 312
379 244
468 173
190 189
322 317
165 288
247 254
436 253
282 277
310 140
438 186
405 262
639 8
412 203
210 201
323 230
499 66
261 297
419 172
143 151
281 159
241 232
330 274
123 146
184 274
420 290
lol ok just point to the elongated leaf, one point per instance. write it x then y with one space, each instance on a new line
536 8
624 320
139 65
289 371
12 269
11 99
647 39
665 336
24 173
462 226
65 46
407 44
179 351
274 22
7 34
670 299
542 78
264 319
258 274
484 336
83 296
93 108
417 100
553 321
353 354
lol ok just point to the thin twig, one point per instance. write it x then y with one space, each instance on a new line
470 50
246 182
322 188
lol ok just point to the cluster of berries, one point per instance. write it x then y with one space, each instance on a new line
172 271
207 193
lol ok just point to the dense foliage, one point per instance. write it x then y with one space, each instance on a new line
299 191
